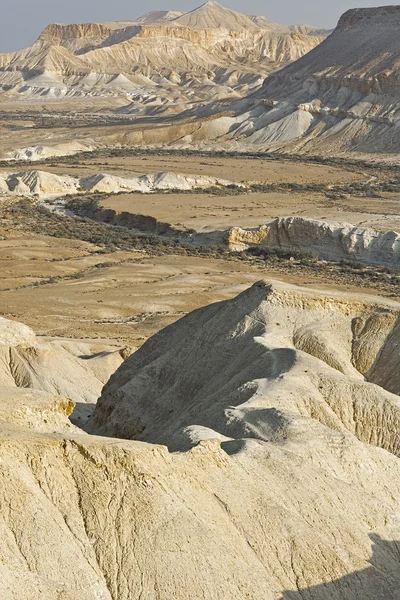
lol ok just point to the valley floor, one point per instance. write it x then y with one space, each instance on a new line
71 288
66 288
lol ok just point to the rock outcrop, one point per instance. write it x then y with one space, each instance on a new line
45 185
330 241
75 370
282 479
259 367
40 184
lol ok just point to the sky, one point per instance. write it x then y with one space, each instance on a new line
22 20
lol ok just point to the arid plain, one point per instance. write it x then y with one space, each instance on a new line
76 289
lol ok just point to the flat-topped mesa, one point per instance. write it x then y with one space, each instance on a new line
388 16
211 41
210 15
73 31
205 38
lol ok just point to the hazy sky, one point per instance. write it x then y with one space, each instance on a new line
22 20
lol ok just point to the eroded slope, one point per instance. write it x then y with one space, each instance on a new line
260 366
288 494
344 95
211 52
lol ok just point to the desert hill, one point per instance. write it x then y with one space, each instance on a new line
156 444
340 96
289 470
257 367
170 50
216 78
344 95
45 185
75 370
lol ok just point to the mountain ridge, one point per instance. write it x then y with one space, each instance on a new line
343 96
166 47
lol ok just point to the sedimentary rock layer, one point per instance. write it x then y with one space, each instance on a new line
331 241
289 485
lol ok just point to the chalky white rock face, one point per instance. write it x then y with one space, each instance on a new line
260 366
150 183
44 185
13 333
331 241
282 492
210 52
77 370
41 184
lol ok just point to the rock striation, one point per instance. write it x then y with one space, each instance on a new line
330 241
342 96
289 472
184 53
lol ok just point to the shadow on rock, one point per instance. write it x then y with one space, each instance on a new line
380 581
81 414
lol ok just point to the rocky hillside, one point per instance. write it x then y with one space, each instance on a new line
73 370
259 367
210 46
286 485
344 95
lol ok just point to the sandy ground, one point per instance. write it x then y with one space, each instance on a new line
126 297
123 297
207 212
233 169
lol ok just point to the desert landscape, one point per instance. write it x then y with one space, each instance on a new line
200 314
